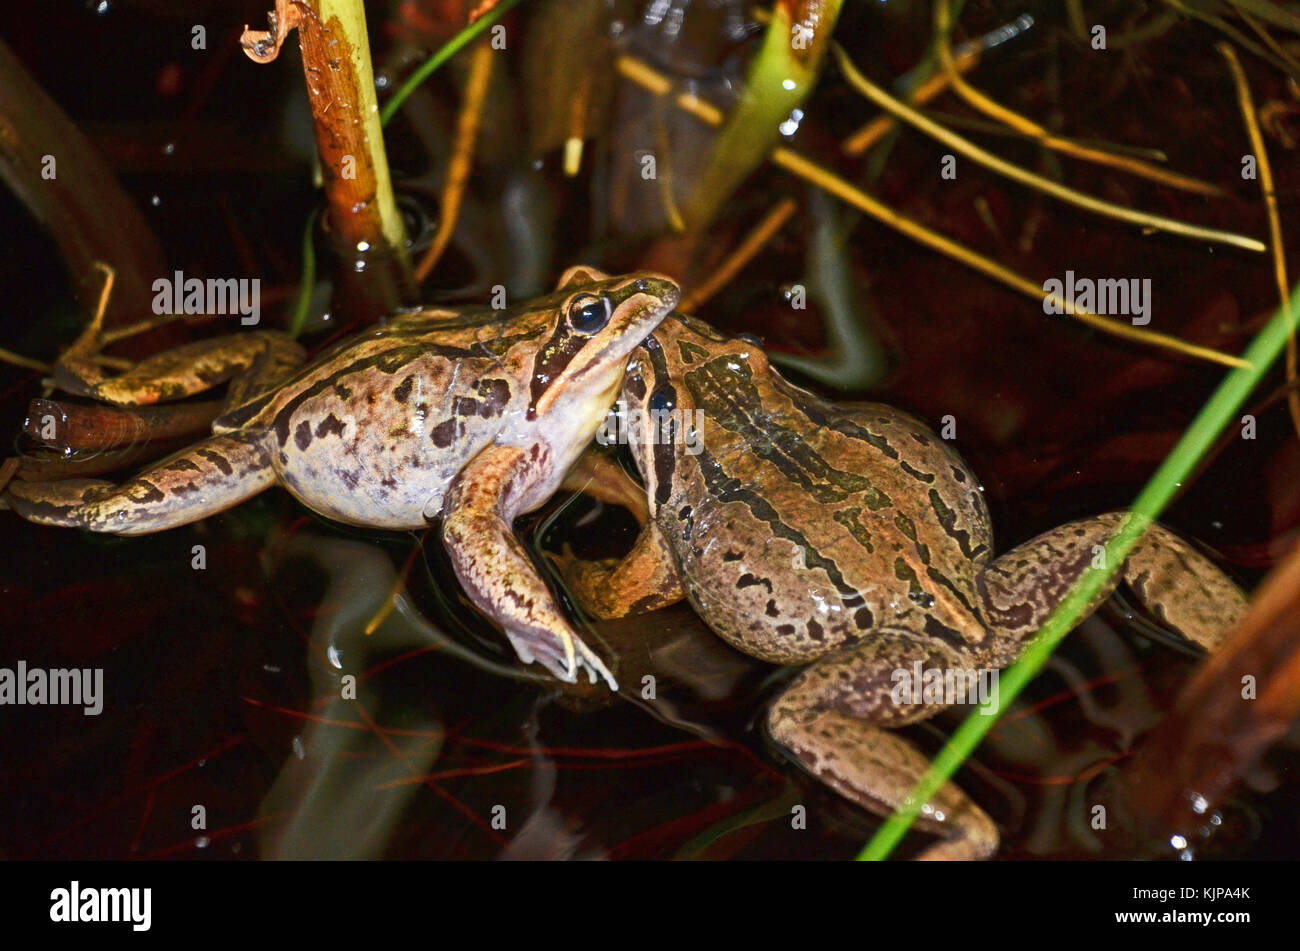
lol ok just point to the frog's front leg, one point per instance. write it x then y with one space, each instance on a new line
496 571
835 718
597 475
645 579
200 481
1178 584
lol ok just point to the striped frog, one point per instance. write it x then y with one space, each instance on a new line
850 539
472 417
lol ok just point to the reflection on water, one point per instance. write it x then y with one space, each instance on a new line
324 802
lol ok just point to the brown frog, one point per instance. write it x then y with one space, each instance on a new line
848 538
471 417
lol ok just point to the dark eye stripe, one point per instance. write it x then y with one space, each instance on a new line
550 362
568 339
661 456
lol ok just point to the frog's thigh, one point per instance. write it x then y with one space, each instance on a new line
496 571
200 481
646 579
1173 580
833 718
264 356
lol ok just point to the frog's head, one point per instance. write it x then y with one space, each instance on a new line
598 320
684 380
680 344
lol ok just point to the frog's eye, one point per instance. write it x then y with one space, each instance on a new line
663 399
752 339
589 313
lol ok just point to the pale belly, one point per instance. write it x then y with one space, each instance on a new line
373 476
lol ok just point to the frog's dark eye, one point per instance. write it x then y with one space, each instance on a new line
663 399
588 314
752 339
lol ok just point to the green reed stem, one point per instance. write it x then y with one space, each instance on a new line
307 282
427 69
450 49
1178 465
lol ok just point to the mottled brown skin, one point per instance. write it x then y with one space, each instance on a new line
472 418
852 539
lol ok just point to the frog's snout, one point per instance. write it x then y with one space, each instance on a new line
657 286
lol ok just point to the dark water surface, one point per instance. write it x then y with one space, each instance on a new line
222 685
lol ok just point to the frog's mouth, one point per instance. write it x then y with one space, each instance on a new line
574 363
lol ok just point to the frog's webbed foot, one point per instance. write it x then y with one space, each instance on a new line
1175 582
200 481
833 719
497 573
564 655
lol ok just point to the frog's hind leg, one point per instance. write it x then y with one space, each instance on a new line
1178 584
200 481
645 579
834 719
253 361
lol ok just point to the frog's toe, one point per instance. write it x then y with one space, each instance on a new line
563 655
521 650
595 669
553 654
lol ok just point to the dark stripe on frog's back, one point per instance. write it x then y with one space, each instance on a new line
401 348
785 426
442 324
725 488
663 457
964 518
726 405
731 400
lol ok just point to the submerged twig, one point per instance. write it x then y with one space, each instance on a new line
879 127
462 157
27 363
1234 34
1262 32
49 166
743 253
